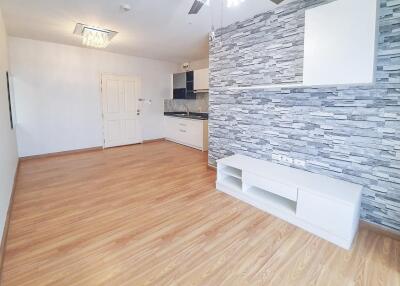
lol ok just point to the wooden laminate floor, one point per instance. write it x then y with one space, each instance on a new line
150 215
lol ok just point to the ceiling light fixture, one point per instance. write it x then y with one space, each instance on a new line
93 36
125 7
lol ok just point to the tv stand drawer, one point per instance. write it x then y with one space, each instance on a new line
277 188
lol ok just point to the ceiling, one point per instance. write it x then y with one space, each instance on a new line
159 29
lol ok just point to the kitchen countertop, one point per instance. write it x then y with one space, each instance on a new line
191 115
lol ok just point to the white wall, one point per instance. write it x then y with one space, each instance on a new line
340 43
8 147
196 65
57 93
200 64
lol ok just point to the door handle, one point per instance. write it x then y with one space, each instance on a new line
138 112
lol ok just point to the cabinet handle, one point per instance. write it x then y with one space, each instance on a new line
181 130
182 124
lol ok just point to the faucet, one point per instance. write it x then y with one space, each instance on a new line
187 109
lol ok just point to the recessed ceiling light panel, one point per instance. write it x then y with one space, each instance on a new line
93 36
125 7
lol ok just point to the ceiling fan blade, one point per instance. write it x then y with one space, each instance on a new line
197 5
277 1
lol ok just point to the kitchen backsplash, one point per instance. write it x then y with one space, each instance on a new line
200 104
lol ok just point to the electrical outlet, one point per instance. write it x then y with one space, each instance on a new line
300 163
277 157
287 159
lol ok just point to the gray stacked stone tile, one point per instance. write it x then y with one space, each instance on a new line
266 49
388 65
347 132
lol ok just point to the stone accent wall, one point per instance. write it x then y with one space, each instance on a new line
266 49
388 64
351 133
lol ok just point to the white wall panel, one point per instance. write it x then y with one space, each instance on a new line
340 43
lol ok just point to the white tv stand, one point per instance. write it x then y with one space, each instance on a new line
324 206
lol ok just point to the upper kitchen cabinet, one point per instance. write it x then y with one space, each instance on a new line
201 80
179 80
183 85
187 84
340 43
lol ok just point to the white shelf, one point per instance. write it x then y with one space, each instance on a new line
296 85
271 199
234 172
231 182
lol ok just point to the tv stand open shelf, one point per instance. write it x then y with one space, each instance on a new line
268 198
322 205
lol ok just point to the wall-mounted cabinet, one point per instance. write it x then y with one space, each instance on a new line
187 84
183 86
201 80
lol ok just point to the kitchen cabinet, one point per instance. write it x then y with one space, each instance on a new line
201 80
183 86
189 132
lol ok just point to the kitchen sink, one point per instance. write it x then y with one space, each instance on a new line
191 115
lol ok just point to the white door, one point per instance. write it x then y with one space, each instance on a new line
120 110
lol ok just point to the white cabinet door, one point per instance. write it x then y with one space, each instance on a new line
187 132
175 129
194 132
328 214
201 79
170 127
120 118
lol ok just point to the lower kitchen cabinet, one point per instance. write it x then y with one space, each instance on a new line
189 132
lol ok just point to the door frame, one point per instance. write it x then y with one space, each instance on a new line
139 93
